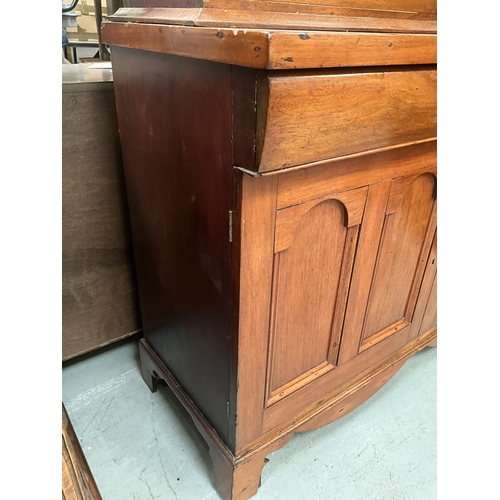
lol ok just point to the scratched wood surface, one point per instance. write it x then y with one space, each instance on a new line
274 48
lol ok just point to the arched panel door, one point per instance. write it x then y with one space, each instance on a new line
391 265
315 244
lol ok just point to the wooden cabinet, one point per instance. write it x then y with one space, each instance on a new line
282 193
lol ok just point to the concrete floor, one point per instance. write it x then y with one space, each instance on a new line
144 446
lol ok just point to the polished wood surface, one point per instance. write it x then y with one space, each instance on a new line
77 480
353 204
425 315
99 291
166 104
309 270
254 234
306 184
278 49
282 182
326 115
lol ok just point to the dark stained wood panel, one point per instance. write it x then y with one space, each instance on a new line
175 128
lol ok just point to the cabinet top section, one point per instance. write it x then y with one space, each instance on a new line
281 35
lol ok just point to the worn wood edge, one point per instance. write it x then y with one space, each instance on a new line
346 390
74 448
265 48
276 20
332 160
328 49
207 431
104 344
248 48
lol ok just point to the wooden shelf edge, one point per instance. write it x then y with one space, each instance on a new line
270 48
233 18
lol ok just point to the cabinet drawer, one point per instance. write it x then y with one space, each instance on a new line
304 118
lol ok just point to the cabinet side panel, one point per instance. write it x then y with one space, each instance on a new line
175 127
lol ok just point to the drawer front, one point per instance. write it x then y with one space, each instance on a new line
305 118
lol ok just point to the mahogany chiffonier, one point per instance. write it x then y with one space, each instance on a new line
280 163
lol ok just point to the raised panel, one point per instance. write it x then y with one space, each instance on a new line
287 220
424 293
313 269
430 316
401 258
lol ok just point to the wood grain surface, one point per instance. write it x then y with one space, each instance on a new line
326 115
175 128
99 291
411 6
273 48
255 237
77 480
331 177
318 8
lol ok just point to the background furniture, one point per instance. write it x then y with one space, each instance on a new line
280 163
99 296
77 480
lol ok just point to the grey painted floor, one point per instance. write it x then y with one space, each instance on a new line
144 446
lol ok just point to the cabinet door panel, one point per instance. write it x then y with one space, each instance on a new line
430 316
314 269
394 280
399 266
424 317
